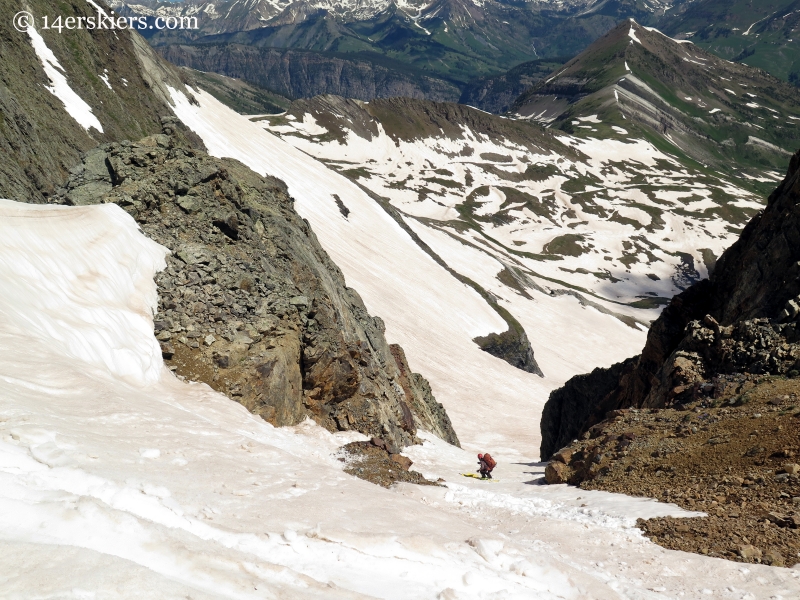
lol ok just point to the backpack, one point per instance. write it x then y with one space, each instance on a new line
490 462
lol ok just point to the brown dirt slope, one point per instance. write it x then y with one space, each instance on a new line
732 454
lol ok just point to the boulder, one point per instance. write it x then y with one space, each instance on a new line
774 558
564 455
167 350
749 552
556 472
402 461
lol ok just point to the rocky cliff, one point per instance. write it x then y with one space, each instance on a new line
115 73
303 74
250 303
741 319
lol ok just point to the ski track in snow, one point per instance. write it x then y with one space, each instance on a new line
117 480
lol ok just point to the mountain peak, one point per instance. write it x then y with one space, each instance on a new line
705 108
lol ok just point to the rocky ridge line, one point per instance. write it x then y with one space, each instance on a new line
758 277
250 303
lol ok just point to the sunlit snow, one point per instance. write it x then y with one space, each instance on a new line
117 480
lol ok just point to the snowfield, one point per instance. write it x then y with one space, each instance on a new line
117 480
428 311
591 215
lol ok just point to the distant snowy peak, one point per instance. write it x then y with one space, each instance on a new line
457 13
171 9
585 7
243 15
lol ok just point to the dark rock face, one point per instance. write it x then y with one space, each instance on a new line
250 303
428 414
513 347
565 412
302 74
757 279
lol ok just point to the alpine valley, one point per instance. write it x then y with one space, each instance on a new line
378 48
268 288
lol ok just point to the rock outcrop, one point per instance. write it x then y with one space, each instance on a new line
704 331
513 346
250 303
428 414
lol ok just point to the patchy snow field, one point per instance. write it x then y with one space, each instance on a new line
622 220
117 480
77 108
428 311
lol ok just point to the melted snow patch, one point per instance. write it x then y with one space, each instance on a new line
74 104
104 77
310 126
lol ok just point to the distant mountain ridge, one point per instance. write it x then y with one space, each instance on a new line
738 118
467 44
763 34
301 73
453 41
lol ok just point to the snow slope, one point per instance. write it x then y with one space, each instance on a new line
160 488
631 237
119 481
427 310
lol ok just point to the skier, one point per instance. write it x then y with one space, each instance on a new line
485 465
